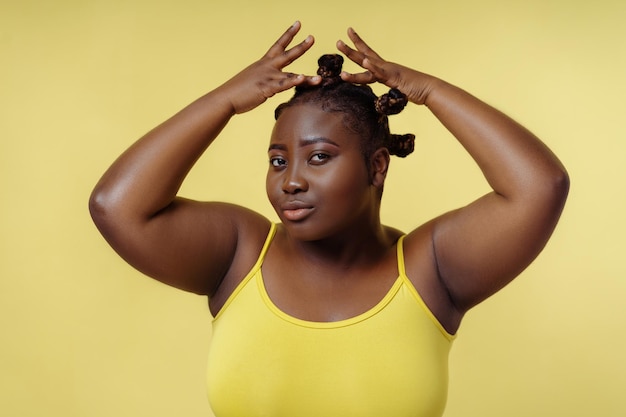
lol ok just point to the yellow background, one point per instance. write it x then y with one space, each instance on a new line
84 335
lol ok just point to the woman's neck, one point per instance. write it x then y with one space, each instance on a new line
353 246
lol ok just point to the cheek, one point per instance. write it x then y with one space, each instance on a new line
345 187
270 187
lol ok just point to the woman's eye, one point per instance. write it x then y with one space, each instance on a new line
277 162
319 158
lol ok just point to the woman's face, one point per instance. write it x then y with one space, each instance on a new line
317 180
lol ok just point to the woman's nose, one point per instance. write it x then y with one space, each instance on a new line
294 181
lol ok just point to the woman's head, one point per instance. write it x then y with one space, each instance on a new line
329 154
363 112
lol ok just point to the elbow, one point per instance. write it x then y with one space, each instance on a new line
560 184
114 211
98 206
102 207
553 188
543 188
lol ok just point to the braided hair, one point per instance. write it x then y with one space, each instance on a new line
364 112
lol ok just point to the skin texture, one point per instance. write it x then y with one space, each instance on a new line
331 258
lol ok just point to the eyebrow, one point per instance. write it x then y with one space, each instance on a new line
304 142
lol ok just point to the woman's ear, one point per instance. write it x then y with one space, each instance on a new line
379 164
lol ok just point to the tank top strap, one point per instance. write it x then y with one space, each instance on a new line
413 290
400 255
253 271
266 245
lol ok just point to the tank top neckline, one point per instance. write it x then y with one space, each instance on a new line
328 324
370 312
402 280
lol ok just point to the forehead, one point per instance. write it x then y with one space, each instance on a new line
306 121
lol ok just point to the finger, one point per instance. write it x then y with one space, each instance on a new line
377 72
360 78
296 52
368 62
361 45
354 56
290 79
311 80
372 70
344 48
285 39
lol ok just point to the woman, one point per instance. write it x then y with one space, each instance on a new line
331 312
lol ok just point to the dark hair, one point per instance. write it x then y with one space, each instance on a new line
364 112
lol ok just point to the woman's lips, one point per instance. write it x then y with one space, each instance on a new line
296 211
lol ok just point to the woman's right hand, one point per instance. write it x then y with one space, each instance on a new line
264 78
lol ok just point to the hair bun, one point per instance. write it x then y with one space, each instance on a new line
391 103
330 68
401 145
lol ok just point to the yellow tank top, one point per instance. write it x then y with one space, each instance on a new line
389 361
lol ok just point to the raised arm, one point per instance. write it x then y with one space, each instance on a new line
187 244
479 248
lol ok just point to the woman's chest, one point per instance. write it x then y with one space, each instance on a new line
390 360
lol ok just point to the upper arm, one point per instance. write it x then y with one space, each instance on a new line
189 245
480 248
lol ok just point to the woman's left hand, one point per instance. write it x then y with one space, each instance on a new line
416 85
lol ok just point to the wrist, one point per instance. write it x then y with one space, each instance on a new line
419 87
221 99
431 89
